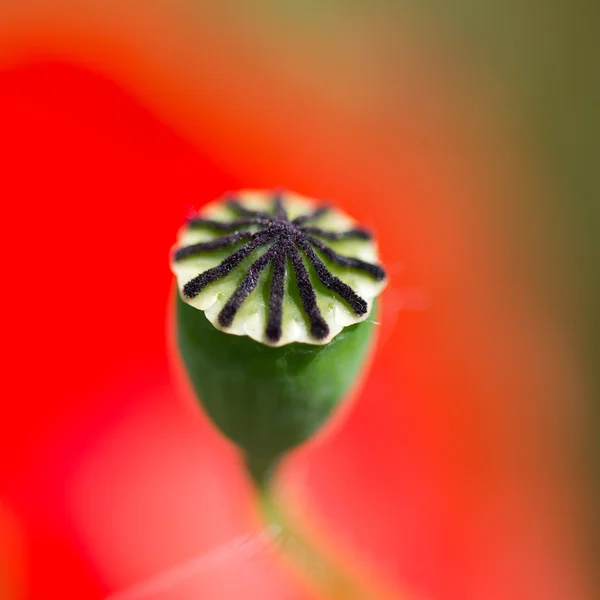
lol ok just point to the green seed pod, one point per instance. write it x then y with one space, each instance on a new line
274 316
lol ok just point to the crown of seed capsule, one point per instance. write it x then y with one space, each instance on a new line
283 239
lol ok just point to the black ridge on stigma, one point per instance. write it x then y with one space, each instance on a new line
360 234
285 238
358 305
345 261
218 225
278 208
318 326
246 286
273 331
223 242
312 216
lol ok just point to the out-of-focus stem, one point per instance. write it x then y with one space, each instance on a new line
261 470
321 572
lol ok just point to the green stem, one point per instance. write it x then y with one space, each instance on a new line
261 471
328 577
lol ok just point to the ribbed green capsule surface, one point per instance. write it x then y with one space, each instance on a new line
267 399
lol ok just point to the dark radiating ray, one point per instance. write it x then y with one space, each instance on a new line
356 303
246 212
193 287
318 327
312 216
338 235
276 296
246 286
346 261
223 242
223 226
278 209
287 239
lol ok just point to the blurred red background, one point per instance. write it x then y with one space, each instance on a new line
452 477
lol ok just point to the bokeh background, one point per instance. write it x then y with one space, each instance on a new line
465 133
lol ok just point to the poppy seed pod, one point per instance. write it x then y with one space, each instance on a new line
274 316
